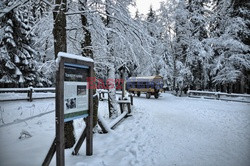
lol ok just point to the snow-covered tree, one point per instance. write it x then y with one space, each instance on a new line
18 67
229 29
182 37
154 31
207 42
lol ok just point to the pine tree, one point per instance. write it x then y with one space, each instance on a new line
197 54
181 43
18 67
231 52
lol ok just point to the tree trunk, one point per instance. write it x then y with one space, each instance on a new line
59 31
242 84
69 135
87 52
174 73
86 43
60 44
113 111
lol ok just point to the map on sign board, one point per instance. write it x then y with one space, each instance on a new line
75 91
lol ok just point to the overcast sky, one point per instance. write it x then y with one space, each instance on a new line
143 5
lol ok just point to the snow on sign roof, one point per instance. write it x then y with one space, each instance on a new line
73 56
142 79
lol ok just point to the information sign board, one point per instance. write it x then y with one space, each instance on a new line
75 91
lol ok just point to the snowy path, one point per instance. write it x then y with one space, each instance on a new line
184 131
163 132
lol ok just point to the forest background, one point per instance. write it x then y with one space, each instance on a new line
202 44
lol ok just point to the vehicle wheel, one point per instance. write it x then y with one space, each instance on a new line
156 95
148 95
138 94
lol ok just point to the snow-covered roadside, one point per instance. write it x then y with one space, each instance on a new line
165 131
13 111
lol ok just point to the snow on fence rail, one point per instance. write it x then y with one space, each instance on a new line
30 93
6 94
220 96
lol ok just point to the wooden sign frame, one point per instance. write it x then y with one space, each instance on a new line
58 144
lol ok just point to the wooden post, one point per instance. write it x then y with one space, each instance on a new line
99 95
129 108
218 96
30 94
89 134
123 82
50 154
109 105
121 107
60 115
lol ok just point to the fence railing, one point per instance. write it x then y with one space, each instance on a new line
220 96
30 91
102 93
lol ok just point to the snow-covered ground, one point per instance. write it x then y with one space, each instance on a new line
166 131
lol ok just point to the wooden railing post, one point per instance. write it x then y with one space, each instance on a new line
99 94
131 99
29 95
217 96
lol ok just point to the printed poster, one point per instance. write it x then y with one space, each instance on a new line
75 91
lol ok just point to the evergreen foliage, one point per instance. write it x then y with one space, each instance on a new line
18 66
202 44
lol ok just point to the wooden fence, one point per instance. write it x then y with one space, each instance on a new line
102 93
30 91
220 96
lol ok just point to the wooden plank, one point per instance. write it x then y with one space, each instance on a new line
123 101
104 130
3 90
80 141
117 120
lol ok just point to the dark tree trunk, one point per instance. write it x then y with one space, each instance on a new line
69 136
86 43
59 31
60 44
